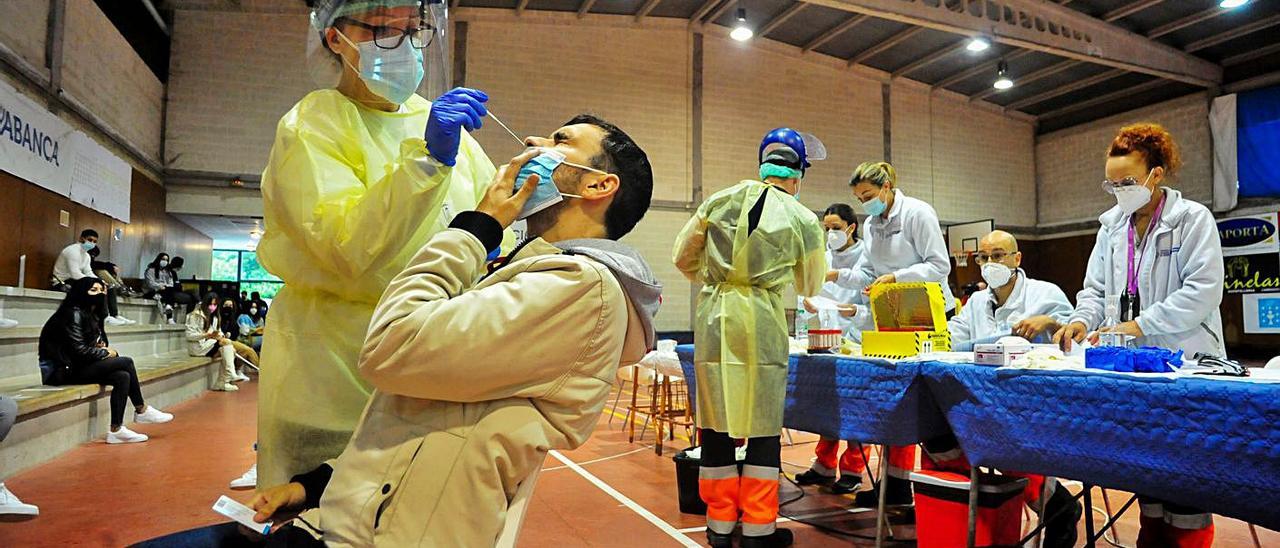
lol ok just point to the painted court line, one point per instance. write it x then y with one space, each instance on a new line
647 515
601 459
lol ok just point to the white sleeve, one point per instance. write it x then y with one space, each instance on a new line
1202 278
925 235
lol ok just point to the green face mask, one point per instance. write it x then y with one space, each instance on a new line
775 170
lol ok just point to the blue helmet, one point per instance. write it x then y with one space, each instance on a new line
789 138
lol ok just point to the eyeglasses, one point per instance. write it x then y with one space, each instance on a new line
1110 186
982 258
391 37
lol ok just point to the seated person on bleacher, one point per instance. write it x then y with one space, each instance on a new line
252 323
477 376
74 350
160 281
108 272
205 337
228 318
74 263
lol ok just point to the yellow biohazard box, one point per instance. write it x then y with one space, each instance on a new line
910 318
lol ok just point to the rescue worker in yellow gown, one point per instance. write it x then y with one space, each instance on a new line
745 245
359 178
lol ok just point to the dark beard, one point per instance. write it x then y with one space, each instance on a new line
539 223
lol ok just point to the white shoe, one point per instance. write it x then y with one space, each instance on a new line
152 416
248 481
10 505
125 435
239 377
126 321
112 320
171 322
6 323
226 387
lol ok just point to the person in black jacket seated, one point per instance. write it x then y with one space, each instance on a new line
74 350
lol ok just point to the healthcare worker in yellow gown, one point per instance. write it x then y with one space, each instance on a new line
359 178
746 244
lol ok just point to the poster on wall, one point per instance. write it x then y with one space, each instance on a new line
1252 273
1262 313
39 147
1249 235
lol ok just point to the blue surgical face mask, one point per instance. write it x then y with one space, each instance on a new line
88 245
393 74
547 194
874 206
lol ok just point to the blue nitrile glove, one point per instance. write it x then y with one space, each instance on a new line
459 109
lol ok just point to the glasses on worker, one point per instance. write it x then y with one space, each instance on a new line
983 258
1109 186
391 37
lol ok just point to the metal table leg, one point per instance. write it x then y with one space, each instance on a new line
882 518
1088 510
972 539
1044 509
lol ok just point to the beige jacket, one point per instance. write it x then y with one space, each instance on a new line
475 382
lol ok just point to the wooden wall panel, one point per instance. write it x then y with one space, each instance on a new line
31 224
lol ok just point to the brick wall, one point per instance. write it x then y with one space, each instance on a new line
23 28
102 71
227 89
1071 163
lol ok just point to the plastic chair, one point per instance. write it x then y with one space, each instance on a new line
516 511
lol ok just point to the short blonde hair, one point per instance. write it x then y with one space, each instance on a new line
876 173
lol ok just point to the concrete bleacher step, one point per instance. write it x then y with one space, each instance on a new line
55 419
34 306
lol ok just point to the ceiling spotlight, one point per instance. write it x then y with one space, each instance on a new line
1228 4
978 43
1002 77
740 31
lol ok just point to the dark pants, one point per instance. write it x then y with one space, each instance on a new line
8 415
749 495
231 535
119 374
174 297
718 450
113 301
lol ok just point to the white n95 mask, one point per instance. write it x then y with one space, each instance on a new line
837 239
996 275
1132 198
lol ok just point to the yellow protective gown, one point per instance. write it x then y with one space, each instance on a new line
740 331
349 195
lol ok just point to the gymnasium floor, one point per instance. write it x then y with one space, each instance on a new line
613 494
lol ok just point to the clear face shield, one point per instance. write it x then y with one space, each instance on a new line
396 47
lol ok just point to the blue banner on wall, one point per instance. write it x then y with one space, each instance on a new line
1258 142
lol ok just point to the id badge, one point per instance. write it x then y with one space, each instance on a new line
1129 306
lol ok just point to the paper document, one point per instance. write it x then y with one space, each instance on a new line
824 303
241 514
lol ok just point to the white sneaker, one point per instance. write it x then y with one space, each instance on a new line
171 322
248 481
152 416
239 377
10 505
228 387
6 323
126 321
112 320
125 435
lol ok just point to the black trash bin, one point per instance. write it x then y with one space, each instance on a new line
687 484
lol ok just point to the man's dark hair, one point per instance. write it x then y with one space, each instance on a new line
624 158
88 233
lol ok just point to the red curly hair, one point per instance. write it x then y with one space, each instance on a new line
1152 141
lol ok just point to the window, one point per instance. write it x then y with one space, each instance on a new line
230 265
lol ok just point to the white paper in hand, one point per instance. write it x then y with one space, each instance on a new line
241 514
823 303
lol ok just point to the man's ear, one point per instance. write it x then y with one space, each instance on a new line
601 188
1018 259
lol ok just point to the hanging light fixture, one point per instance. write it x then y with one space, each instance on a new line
1228 4
1003 81
977 44
741 32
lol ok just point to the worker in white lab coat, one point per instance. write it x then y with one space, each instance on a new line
1012 304
844 250
1156 271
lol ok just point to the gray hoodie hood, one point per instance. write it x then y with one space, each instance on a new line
638 282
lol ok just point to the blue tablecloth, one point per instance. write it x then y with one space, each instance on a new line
851 399
1205 443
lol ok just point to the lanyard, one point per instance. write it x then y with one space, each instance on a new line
1135 266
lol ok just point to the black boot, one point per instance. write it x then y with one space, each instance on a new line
812 477
847 483
899 494
781 538
1061 531
717 540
